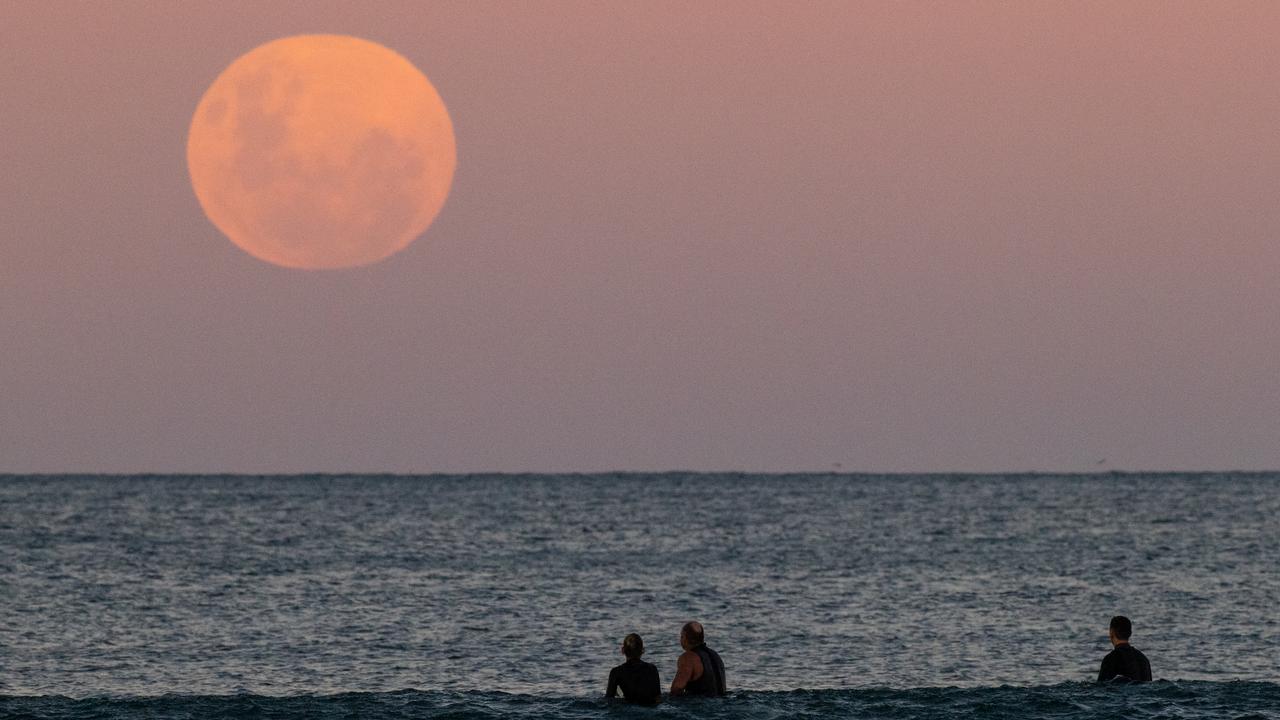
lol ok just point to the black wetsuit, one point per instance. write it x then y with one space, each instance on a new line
711 682
1125 664
638 680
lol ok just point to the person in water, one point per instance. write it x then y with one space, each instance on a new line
699 671
1125 663
637 679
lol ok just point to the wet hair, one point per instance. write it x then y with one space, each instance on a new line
1122 627
632 646
693 631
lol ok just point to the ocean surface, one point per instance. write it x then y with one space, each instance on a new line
828 596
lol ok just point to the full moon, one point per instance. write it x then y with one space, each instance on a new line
321 152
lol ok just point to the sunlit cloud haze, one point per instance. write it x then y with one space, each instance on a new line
755 236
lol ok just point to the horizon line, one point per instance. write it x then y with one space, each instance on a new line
5 475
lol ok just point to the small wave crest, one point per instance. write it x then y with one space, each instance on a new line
1066 701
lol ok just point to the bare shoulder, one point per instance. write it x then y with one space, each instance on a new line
690 658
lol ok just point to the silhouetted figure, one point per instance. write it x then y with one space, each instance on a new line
1125 663
637 679
699 671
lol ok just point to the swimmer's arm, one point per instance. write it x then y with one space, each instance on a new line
684 673
612 691
1107 672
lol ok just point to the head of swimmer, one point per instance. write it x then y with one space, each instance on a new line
1120 630
691 635
632 646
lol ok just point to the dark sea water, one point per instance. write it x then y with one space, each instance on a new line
507 596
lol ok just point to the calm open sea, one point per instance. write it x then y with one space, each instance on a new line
503 596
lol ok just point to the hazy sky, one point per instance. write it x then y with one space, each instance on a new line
711 235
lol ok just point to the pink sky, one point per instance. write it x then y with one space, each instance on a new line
752 236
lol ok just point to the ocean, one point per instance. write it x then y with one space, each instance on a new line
497 596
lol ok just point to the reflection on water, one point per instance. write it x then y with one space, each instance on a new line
527 584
